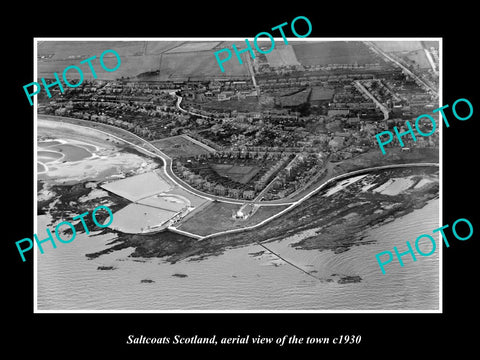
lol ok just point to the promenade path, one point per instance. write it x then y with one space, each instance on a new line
146 147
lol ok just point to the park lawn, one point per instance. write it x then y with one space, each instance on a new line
217 217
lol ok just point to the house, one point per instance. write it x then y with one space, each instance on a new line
235 193
248 194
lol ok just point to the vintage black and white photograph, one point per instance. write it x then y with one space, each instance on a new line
240 175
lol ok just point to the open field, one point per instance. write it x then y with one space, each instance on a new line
79 50
131 66
137 187
282 56
218 217
429 44
334 52
198 65
178 146
394 46
240 174
192 46
160 47
374 158
174 59
321 93
66 53
195 201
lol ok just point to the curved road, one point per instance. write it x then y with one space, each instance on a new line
167 160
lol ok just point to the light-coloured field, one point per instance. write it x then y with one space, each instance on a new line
194 46
343 184
217 217
395 186
241 174
334 52
174 59
419 58
137 187
282 55
394 46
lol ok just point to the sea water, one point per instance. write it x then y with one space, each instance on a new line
239 279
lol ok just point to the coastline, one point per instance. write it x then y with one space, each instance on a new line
333 231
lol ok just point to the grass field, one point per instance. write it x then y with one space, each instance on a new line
321 93
178 146
241 174
218 217
175 59
394 46
198 65
334 52
160 47
192 46
139 186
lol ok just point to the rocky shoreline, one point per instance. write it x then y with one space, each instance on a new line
339 222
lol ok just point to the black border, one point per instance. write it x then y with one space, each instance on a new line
383 334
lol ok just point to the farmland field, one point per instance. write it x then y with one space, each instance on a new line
197 65
160 47
192 46
178 146
241 174
321 93
334 52
137 218
394 46
218 217
419 58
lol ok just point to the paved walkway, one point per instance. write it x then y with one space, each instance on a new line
169 173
